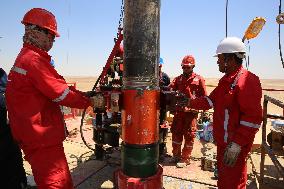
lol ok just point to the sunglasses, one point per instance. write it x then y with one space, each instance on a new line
186 67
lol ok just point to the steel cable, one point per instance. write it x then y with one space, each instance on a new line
279 37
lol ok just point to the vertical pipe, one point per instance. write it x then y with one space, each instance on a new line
141 43
263 151
227 18
140 112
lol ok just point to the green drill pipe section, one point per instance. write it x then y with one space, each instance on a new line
139 161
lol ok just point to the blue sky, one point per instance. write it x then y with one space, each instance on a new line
187 27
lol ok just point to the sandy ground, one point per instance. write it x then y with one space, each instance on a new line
89 173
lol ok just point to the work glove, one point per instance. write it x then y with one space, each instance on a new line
98 101
231 154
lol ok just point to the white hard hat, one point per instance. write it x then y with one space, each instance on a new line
231 45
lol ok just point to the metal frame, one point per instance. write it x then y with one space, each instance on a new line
265 148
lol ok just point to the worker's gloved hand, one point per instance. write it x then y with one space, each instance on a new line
98 101
231 154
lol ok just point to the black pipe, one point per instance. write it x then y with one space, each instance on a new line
141 43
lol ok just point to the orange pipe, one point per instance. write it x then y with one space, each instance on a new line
140 122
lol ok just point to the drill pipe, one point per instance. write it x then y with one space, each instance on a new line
140 114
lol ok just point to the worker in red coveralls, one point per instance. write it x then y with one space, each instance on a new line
34 93
184 123
237 113
164 81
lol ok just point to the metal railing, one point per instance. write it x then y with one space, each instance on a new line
265 148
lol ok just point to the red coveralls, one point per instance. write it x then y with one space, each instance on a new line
34 92
184 123
237 117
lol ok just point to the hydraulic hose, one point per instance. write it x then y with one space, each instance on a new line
83 117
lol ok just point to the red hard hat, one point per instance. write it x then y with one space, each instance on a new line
41 18
188 60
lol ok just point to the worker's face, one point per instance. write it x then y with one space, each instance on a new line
40 37
222 63
47 40
187 69
160 68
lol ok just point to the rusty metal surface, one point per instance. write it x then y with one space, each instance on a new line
140 122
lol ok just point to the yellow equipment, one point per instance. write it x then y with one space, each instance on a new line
254 28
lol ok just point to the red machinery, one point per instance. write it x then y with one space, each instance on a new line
108 102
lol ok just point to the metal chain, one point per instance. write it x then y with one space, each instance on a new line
120 22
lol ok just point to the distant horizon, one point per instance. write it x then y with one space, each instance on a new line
277 84
171 76
78 76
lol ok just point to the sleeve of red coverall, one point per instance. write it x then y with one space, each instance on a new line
72 88
249 98
173 84
55 88
203 103
202 86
